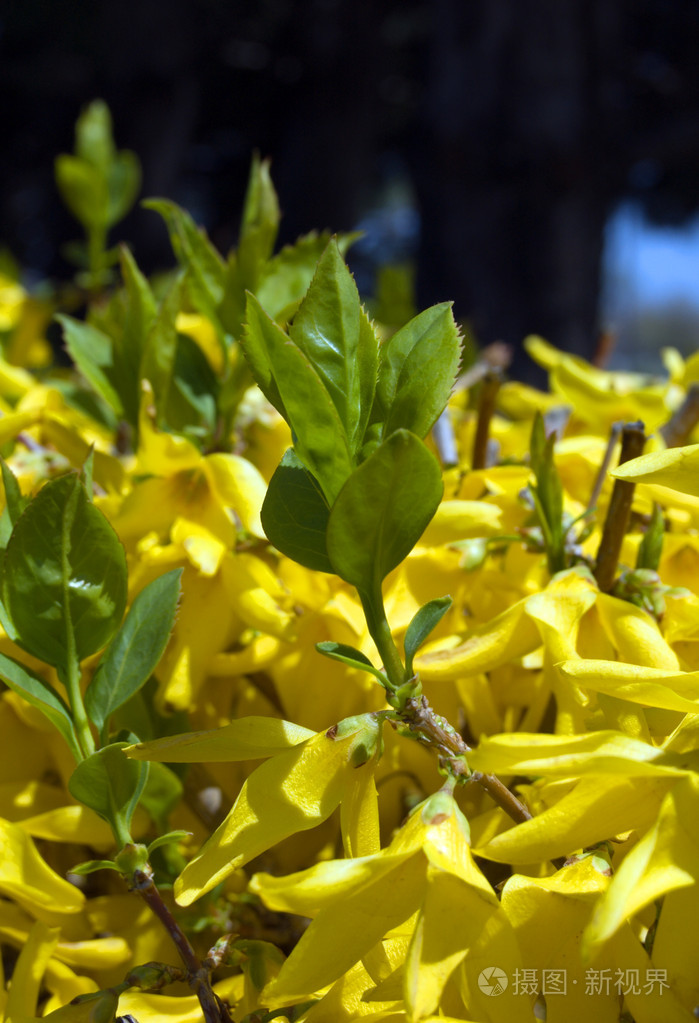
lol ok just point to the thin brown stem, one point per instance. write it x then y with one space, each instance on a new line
486 407
604 467
198 975
616 523
677 429
421 718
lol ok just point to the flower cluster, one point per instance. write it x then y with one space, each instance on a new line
470 807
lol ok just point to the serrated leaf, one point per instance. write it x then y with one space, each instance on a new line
350 656
295 514
65 574
135 650
334 333
382 511
39 694
424 621
194 252
110 784
287 378
260 222
92 352
417 371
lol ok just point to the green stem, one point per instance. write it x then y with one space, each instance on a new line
71 680
380 632
96 247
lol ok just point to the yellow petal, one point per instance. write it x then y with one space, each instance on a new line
651 687
240 486
676 468
635 634
508 636
294 791
29 971
310 891
568 756
451 918
250 738
461 520
666 858
69 824
333 943
548 915
359 813
29 880
595 810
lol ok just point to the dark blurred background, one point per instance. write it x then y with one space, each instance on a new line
490 142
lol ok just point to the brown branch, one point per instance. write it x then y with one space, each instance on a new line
604 467
677 429
486 407
198 975
421 718
616 523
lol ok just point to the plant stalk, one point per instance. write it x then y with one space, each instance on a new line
486 407
198 974
421 718
677 429
633 440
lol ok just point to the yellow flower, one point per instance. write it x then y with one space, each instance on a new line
294 790
427 873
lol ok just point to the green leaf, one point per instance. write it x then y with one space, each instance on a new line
336 336
87 473
548 495
123 185
260 222
651 547
171 836
194 388
348 655
287 378
94 142
92 352
39 694
205 268
64 583
83 189
134 652
14 501
139 312
417 371
90 865
110 784
382 511
162 793
295 514
424 621
158 358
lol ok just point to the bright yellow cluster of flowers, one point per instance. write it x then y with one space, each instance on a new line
409 898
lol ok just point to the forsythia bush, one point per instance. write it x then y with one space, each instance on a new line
257 764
